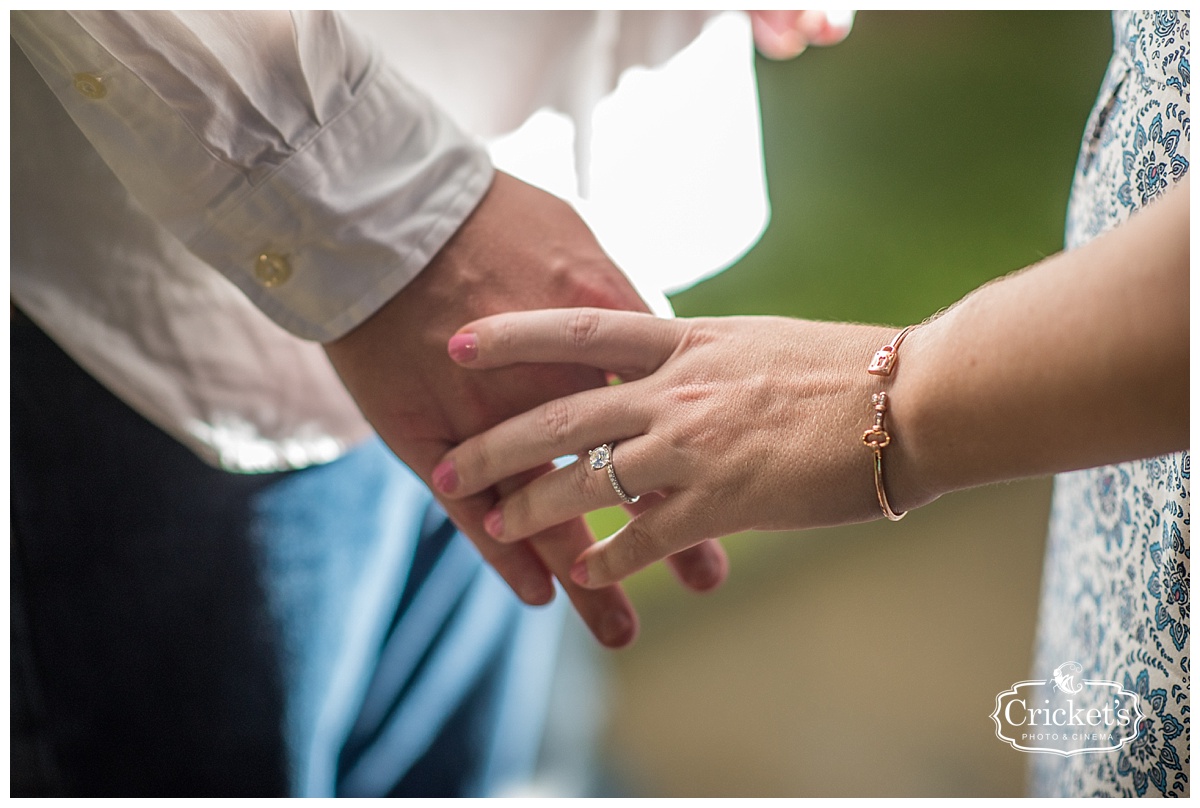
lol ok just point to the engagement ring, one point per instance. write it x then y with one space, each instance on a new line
601 460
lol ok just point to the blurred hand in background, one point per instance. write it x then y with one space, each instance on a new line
783 34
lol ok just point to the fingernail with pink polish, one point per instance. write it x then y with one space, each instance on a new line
445 477
579 573
464 347
493 523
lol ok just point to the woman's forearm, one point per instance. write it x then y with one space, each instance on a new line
1078 361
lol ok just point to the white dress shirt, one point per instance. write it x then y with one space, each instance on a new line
297 157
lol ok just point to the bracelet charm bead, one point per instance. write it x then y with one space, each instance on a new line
885 358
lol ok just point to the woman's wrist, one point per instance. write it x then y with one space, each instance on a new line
911 467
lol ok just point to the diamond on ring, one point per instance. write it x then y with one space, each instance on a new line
600 457
601 460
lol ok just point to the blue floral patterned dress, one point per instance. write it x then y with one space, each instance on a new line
1115 594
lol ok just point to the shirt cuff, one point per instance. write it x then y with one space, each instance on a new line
346 222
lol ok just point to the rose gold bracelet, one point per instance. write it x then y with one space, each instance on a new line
877 438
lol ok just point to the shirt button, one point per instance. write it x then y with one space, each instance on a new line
90 86
272 269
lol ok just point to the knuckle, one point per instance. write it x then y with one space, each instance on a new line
582 328
500 337
586 486
638 541
475 464
518 514
601 566
637 549
693 391
557 420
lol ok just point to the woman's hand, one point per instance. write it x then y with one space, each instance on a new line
756 422
721 425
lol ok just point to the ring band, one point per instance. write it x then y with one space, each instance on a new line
601 460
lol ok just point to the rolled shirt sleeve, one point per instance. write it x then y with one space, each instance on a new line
277 146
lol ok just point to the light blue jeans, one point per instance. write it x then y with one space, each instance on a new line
179 630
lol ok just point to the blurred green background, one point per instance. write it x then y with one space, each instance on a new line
927 154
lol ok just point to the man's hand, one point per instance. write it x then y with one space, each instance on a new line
520 249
